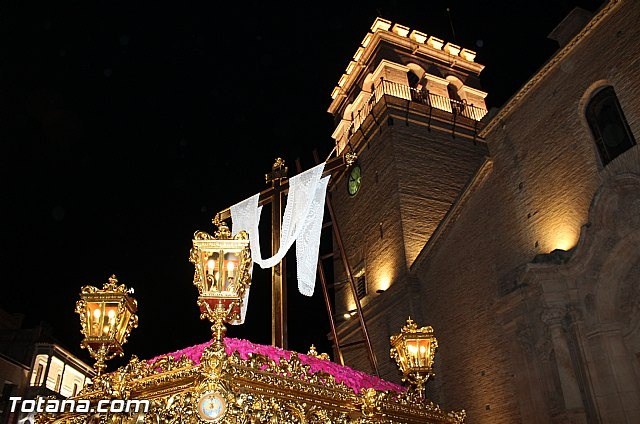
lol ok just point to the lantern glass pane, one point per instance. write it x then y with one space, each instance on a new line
95 314
110 316
230 271
402 353
122 325
424 351
413 353
211 265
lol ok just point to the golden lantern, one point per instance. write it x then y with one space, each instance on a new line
107 317
222 275
413 350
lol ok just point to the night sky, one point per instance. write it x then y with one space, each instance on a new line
125 125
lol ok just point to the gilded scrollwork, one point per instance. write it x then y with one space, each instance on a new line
202 235
254 390
222 383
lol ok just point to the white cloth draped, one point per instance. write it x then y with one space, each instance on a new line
308 242
243 307
245 216
301 223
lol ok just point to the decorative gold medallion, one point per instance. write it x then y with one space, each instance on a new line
212 407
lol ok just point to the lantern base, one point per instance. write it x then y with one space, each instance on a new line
219 310
230 304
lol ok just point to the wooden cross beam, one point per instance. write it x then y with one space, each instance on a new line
274 195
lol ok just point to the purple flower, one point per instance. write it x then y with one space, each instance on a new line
355 380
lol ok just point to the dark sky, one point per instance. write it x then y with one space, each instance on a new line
125 125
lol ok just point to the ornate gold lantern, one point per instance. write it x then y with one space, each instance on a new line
413 350
107 317
222 275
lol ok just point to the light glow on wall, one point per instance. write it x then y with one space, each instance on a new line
565 238
560 230
384 282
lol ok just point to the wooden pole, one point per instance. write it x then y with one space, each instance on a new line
279 271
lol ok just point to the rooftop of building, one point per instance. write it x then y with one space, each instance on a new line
414 40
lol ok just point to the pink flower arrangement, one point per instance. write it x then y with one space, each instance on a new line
356 380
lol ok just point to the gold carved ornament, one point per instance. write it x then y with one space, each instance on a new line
414 350
222 275
227 388
107 317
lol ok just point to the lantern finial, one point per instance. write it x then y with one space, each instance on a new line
223 232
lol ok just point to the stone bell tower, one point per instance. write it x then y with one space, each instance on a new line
410 107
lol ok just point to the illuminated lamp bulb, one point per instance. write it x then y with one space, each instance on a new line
96 313
211 264
105 329
112 316
423 354
412 351
230 267
347 316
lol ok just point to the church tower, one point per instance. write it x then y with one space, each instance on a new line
410 107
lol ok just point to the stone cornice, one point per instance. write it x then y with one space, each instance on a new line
514 101
436 79
473 91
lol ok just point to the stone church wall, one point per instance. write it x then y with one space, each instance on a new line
545 174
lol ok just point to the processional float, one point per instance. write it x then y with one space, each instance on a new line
235 381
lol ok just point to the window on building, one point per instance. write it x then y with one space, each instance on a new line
608 125
453 93
416 88
38 380
361 286
8 390
58 382
413 79
458 104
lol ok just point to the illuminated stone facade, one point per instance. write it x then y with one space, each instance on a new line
508 236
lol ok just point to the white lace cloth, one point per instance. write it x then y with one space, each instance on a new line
308 241
301 223
243 307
